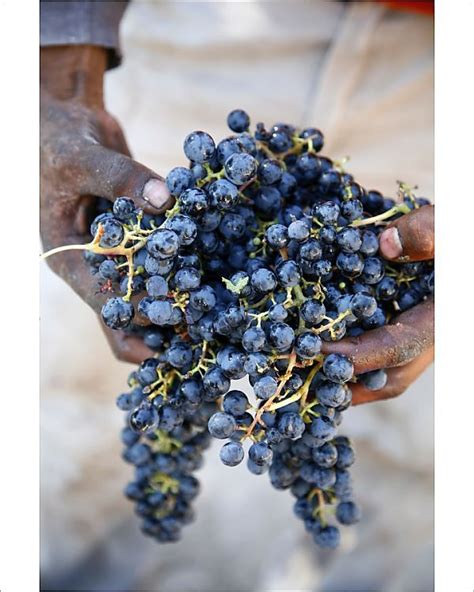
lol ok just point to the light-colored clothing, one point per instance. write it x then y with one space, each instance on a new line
364 76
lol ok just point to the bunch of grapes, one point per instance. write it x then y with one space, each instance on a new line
270 250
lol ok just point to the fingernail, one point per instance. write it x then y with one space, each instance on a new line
390 244
156 193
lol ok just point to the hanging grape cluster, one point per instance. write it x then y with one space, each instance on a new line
270 250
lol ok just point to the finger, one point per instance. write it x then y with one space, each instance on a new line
112 134
399 379
85 206
115 139
127 348
411 237
109 174
390 345
119 143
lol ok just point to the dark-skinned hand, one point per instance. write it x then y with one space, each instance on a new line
84 155
406 346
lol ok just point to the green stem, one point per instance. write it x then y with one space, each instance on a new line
331 324
398 209
86 247
300 297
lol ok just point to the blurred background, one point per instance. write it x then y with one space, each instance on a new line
363 73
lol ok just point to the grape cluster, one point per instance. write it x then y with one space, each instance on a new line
270 250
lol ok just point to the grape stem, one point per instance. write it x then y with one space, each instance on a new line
404 190
86 247
264 148
308 382
165 443
301 393
401 208
284 253
321 506
330 325
165 483
164 383
95 247
203 361
308 409
121 249
267 405
300 297
243 187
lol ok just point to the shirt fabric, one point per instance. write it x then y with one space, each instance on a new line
83 22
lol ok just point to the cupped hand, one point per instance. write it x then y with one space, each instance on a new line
84 156
405 347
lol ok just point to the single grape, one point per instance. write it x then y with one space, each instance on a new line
116 313
373 270
221 425
157 286
288 273
112 233
238 121
199 147
290 425
326 213
108 270
265 387
338 368
277 236
187 278
263 280
144 418
308 345
232 454
159 312
328 537
280 141
235 402
254 339
325 456
349 240
224 194
261 454
240 168
375 380
280 336
123 208
162 244
193 202
179 179
348 513
331 394
298 230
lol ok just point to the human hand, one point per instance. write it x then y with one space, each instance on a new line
84 155
406 346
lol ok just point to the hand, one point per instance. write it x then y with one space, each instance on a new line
406 346
84 155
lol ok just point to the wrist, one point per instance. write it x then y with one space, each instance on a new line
74 72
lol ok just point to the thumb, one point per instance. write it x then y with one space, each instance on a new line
109 174
411 237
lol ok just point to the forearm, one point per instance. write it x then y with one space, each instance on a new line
74 72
